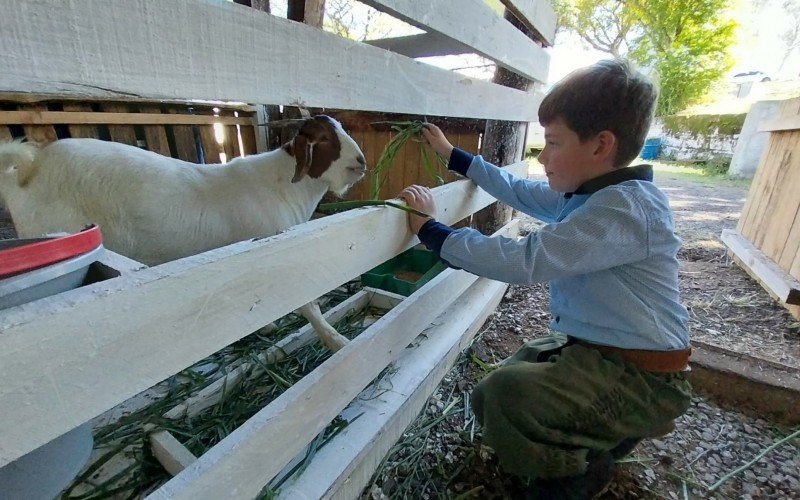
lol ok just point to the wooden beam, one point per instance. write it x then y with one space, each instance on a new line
97 350
193 50
21 97
214 392
781 124
169 452
344 465
506 45
238 467
538 15
422 45
89 117
785 286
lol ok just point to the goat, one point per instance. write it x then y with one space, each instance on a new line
155 209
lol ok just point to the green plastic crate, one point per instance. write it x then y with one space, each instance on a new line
404 274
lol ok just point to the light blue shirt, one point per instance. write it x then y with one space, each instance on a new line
610 258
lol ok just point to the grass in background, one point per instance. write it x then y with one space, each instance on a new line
709 172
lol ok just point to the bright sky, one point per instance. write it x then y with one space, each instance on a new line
759 47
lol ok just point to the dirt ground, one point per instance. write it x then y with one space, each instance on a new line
441 455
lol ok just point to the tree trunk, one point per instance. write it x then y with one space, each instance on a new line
306 11
262 5
503 143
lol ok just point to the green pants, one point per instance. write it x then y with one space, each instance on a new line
552 402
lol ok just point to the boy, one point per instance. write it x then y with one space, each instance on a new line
564 407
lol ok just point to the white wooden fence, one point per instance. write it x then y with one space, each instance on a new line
67 359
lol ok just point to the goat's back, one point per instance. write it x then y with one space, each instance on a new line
149 207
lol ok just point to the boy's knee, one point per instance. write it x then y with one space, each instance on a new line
498 390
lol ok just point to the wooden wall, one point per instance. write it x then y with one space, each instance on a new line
186 131
770 219
179 130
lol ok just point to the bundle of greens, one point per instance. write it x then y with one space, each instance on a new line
405 131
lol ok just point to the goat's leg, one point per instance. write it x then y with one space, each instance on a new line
328 335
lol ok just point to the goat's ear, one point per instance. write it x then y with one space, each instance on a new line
303 154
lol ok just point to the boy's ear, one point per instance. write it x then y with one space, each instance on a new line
605 145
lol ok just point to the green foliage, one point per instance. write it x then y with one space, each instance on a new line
684 42
405 131
604 25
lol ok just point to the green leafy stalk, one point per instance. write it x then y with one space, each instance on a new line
406 131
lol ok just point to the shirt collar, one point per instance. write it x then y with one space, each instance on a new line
637 173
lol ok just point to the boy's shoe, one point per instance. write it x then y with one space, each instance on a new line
592 483
624 448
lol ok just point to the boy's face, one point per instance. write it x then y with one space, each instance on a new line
567 161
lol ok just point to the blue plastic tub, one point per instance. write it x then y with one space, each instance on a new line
651 149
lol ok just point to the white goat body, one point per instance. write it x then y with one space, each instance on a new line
155 209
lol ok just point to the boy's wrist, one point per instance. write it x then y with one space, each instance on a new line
447 152
416 222
459 161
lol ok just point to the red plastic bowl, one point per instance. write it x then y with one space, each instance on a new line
33 254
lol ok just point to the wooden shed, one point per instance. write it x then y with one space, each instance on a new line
766 241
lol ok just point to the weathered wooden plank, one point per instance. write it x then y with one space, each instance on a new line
97 350
249 139
759 192
231 145
184 139
214 392
208 140
537 15
260 131
120 133
5 134
783 211
506 46
791 249
772 277
155 135
291 421
343 466
169 452
781 172
784 124
81 116
42 134
75 130
193 50
422 45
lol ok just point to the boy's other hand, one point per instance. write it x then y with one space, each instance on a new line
434 136
419 198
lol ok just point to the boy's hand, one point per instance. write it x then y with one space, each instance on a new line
435 138
419 198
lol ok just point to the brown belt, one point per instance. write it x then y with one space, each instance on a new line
650 361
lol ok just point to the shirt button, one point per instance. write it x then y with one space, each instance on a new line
558 318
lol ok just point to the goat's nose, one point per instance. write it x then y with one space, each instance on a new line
362 161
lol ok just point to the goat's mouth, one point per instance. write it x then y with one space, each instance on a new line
359 170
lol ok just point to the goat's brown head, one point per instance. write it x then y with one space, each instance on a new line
323 150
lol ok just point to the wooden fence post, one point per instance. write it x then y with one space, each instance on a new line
503 141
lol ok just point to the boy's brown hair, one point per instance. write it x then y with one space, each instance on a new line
609 95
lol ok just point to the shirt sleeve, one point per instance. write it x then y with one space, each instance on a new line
611 229
534 198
